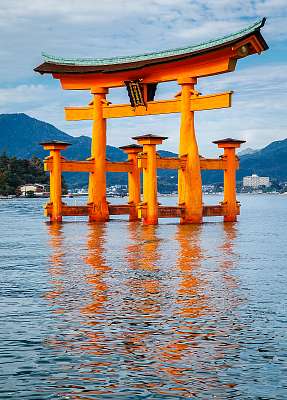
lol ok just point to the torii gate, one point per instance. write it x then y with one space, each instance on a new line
140 75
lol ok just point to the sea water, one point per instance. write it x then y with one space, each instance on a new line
125 311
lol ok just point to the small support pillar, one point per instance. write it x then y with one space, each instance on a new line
55 148
99 210
149 143
133 179
229 145
189 179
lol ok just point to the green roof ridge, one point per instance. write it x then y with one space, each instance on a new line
148 56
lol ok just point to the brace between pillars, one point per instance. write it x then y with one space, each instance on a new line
230 202
55 148
189 180
133 179
99 210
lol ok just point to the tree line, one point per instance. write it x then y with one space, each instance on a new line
16 172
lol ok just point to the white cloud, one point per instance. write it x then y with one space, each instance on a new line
107 28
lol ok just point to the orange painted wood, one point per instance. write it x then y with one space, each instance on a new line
198 103
124 209
56 186
170 212
126 166
189 179
230 185
97 179
121 209
215 62
69 211
88 166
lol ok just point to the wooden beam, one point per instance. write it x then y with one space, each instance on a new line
125 166
170 163
198 103
68 211
214 164
120 209
124 209
88 166
119 166
176 163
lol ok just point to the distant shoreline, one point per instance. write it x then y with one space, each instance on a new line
12 197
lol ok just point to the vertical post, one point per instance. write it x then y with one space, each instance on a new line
133 179
99 210
56 178
230 202
189 179
149 143
55 148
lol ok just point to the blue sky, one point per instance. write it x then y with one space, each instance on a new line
96 28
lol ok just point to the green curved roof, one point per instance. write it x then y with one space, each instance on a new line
155 55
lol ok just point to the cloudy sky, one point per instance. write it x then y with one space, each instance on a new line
102 28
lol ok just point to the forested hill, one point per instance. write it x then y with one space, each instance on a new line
20 136
16 172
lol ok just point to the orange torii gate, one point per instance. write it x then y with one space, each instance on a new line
140 75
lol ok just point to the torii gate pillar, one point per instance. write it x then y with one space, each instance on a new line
134 188
149 143
230 202
189 180
99 210
55 148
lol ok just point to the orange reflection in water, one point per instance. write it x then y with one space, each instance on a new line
178 357
56 270
96 260
142 256
196 344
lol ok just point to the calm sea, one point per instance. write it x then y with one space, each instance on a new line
125 311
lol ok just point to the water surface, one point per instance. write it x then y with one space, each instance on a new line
125 311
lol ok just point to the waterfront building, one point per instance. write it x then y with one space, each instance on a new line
36 189
255 181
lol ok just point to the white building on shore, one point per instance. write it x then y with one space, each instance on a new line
256 181
35 188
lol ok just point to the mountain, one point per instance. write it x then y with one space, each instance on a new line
269 161
20 136
246 151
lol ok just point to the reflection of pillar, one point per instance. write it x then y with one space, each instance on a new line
55 148
133 179
96 260
230 203
97 182
189 179
188 261
56 264
149 143
181 348
143 259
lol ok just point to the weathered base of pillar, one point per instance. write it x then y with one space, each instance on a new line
150 221
133 212
96 218
56 219
48 212
98 212
133 218
230 218
191 220
189 217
